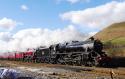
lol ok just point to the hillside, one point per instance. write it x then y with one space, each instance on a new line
115 33
114 39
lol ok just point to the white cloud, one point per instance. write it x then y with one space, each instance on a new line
24 7
92 33
5 36
32 38
97 17
8 23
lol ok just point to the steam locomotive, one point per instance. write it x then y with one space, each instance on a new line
73 53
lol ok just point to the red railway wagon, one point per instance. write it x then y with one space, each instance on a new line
2 57
19 56
28 55
11 56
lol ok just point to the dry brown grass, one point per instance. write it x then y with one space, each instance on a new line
112 32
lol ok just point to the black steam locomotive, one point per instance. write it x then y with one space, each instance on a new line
87 53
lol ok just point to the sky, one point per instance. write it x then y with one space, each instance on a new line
32 23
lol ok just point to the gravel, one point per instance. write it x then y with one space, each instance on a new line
61 72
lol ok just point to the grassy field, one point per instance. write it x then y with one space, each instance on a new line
114 38
119 41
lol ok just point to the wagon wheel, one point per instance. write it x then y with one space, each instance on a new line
78 63
94 63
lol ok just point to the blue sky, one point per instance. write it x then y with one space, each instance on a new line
32 23
42 13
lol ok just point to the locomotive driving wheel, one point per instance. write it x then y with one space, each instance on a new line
60 60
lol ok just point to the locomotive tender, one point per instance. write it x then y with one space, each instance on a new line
73 53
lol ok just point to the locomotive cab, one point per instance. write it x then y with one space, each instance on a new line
41 55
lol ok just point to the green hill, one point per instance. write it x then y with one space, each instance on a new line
114 38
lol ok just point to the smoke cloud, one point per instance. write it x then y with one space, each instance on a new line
35 37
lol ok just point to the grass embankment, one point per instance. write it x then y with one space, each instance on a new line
114 39
115 47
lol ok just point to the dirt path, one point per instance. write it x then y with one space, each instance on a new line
50 71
